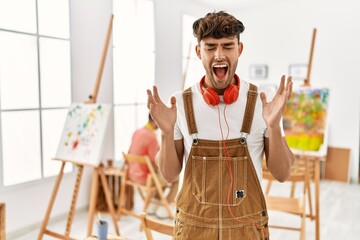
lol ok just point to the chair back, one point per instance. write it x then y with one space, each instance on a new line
143 159
152 185
301 172
150 224
132 158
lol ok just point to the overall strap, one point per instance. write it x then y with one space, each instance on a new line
189 111
250 108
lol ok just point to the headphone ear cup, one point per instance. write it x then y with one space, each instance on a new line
231 94
211 97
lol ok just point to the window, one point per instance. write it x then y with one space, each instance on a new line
192 67
35 87
134 67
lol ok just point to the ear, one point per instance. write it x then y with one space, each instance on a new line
197 50
240 48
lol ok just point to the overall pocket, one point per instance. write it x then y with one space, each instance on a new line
210 180
248 233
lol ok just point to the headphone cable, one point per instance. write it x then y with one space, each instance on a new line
227 155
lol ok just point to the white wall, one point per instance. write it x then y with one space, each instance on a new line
168 45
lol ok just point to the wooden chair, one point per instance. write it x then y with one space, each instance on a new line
149 224
153 185
301 172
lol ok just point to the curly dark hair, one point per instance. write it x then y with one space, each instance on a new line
217 25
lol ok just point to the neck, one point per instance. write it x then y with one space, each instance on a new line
150 126
220 92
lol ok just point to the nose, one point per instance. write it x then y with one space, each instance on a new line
219 56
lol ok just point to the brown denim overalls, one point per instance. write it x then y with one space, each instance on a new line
202 204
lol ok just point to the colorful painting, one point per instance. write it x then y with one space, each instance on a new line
82 138
305 119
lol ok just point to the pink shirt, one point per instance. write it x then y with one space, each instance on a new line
144 142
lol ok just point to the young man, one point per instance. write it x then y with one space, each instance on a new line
144 142
221 127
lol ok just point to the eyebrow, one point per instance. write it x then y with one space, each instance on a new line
227 44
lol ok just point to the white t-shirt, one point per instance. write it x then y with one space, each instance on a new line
207 122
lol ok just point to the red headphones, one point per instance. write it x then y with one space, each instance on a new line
212 98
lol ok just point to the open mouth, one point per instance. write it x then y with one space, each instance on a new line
220 70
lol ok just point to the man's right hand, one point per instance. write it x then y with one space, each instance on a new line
163 116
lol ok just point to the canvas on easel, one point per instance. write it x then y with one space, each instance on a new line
306 131
83 133
313 151
81 144
305 120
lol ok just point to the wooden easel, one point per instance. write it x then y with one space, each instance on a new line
315 171
307 79
98 171
316 178
317 159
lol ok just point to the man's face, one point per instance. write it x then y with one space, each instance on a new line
219 58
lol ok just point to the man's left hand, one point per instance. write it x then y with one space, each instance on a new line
273 110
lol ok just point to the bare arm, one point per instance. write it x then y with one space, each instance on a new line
170 157
279 157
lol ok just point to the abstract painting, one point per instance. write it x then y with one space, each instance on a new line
305 119
83 134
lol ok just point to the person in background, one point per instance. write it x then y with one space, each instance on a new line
144 142
218 130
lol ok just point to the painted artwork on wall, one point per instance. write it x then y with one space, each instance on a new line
83 134
305 120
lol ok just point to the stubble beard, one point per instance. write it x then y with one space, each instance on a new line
220 86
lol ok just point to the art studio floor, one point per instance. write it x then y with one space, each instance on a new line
339 218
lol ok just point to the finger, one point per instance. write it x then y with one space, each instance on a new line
149 93
288 81
173 102
150 105
156 95
289 92
288 88
150 99
281 86
263 98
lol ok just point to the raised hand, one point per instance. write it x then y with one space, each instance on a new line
163 116
273 110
